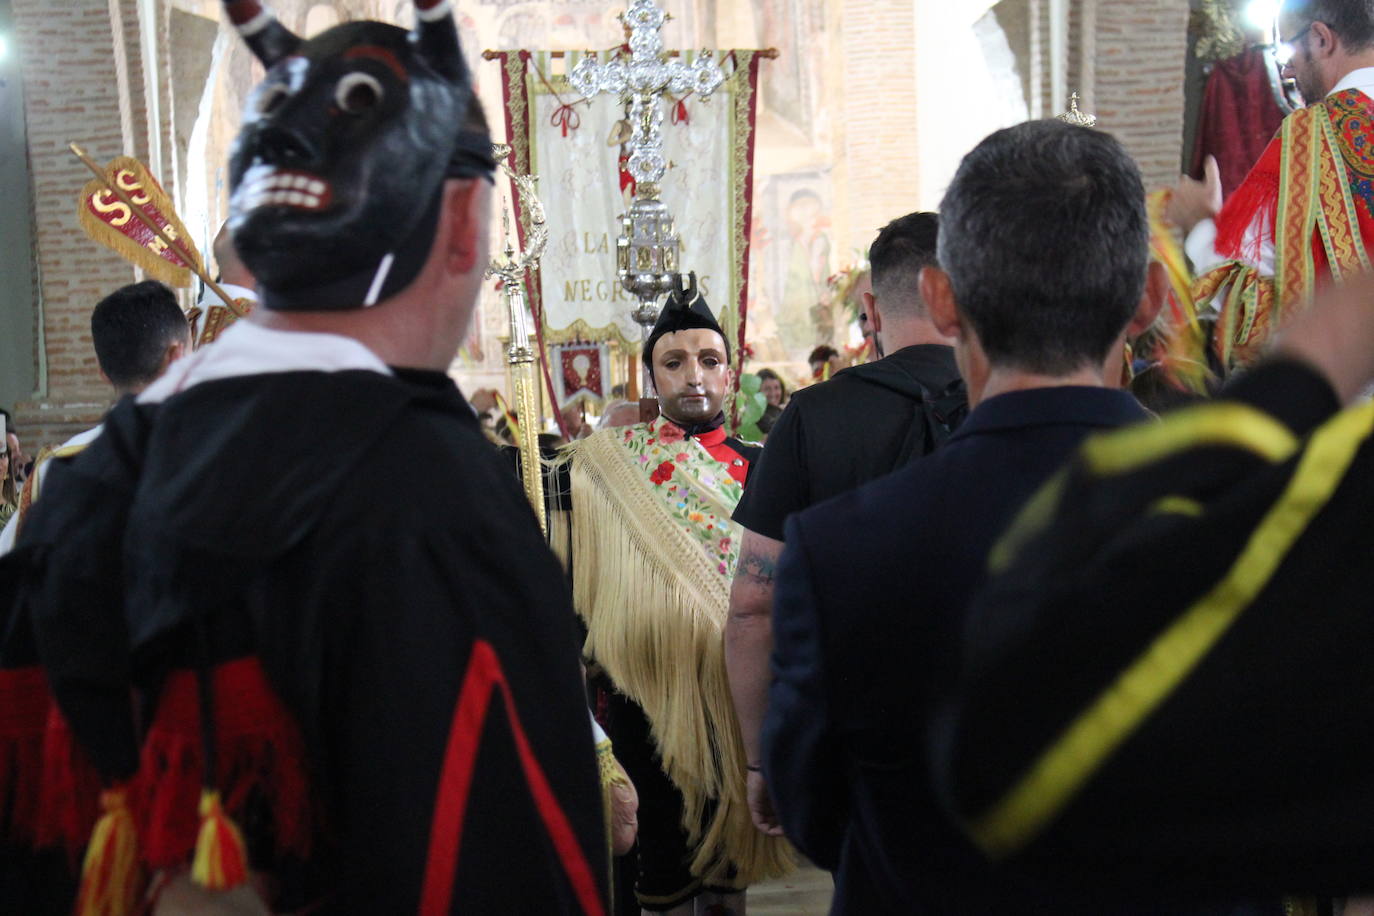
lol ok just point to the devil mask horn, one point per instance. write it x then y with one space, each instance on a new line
337 173
267 38
436 39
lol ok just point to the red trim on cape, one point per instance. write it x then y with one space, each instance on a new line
483 675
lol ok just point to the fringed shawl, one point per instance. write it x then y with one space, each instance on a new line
654 552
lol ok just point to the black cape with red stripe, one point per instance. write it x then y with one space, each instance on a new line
357 534
1253 776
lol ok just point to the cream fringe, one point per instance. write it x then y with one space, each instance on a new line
655 609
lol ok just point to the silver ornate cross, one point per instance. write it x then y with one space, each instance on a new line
647 249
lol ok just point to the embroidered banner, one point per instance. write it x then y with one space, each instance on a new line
580 372
576 147
111 222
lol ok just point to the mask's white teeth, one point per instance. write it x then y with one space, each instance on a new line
317 187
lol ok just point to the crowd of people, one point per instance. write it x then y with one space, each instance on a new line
974 631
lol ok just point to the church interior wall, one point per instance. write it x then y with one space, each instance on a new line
19 337
863 118
72 54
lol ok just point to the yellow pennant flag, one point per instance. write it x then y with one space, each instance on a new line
110 219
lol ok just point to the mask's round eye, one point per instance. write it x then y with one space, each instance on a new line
358 92
270 98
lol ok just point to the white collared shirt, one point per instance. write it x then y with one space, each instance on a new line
244 349
247 348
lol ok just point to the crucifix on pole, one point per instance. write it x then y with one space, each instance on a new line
648 248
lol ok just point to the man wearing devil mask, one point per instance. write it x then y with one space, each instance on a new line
346 703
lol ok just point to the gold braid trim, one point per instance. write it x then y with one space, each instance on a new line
1246 311
741 132
655 609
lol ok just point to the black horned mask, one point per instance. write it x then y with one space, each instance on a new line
336 173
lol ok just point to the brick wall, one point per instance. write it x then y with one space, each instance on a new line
880 142
1140 54
66 49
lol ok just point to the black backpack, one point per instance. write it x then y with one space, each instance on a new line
935 417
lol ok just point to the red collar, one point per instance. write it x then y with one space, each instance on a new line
714 443
713 438
709 439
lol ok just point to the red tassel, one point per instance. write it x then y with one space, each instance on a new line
680 112
259 751
70 794
23 719
1255 201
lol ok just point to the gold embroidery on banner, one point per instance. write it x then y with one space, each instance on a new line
522 87
580 330
742 94
517 104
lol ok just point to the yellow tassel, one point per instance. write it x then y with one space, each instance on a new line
620 801
110 876
221 860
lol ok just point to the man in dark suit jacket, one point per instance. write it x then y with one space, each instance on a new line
1044 273
865 422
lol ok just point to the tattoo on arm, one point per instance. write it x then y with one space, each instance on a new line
758 567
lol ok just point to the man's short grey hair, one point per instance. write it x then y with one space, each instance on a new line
1044 235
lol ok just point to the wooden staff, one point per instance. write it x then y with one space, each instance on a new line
147 220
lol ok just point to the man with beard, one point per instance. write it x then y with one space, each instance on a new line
653 551
380 685
1304 216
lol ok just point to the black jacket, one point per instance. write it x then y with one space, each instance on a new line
1236 538
865 422
872 590
356 534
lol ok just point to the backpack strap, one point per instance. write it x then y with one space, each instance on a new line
933 419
